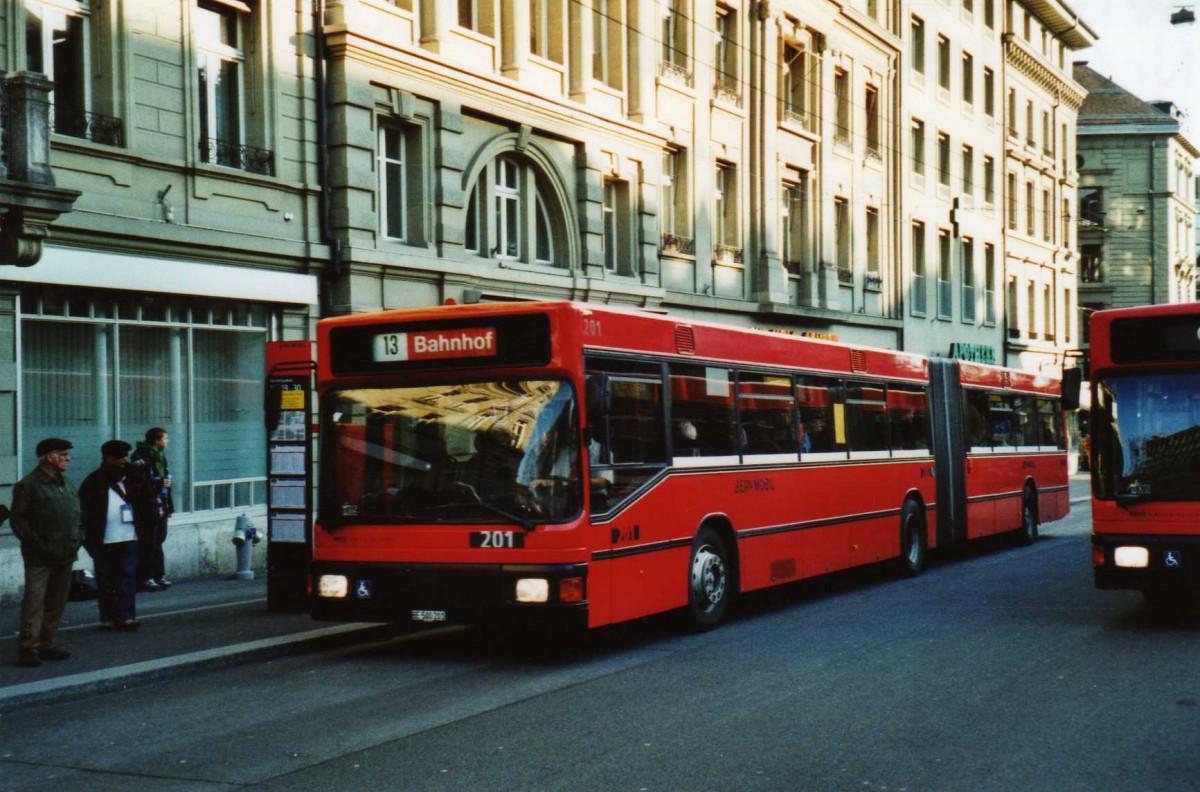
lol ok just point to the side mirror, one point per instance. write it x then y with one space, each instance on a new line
1072 380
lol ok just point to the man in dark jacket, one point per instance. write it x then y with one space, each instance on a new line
110 536
45 518
150 475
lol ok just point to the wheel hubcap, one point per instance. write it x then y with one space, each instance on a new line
708 576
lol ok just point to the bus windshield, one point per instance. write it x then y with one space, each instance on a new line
1147 437
479 452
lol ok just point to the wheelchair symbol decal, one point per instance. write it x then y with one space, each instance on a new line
363 589
1172 559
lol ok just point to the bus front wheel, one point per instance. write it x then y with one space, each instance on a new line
709 580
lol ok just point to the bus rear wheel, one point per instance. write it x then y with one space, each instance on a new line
1027 534
912 539
709 580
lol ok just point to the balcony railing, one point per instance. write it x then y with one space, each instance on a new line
1091 270
675 73
95 127
726 89
845 276
673 243
233 155
727 254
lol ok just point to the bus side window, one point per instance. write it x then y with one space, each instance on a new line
815 398
975 420
765 404
908 418
703 396
626 435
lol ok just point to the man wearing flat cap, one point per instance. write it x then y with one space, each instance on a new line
45 518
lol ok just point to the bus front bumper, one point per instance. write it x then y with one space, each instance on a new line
1132 561
524 595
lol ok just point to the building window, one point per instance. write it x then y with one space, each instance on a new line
608 42
1011 314
968 280
989 284
519 223
919 288
401 186
1091 263
968 170
968 78
477 15
675 39
1012 202
223 38
841 238
1012 113
918 45
1049 319
97 365
918 148
873 245
801 86
874 122
841 99
546 30
943 45
618 228
725 57
1091 208
1031 309
1067 314
1047 216
989 93
725 230
945 277
797 223
58 44
1047 135
1065 241
675 206
1030 210
1029 140
989 181
943 144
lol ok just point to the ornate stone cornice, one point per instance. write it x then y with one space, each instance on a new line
1018 55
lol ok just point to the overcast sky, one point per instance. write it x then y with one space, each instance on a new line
1140 50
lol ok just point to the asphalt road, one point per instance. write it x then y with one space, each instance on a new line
1000 668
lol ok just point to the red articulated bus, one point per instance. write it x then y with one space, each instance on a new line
1145 446
567 464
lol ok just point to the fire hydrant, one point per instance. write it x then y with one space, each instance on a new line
245 536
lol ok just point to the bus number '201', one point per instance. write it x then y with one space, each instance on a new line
497 539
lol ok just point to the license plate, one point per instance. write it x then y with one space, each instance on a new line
497 539
429 616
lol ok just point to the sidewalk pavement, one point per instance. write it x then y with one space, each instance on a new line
206 623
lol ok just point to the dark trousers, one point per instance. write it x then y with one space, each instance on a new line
151 535
46 589
116 579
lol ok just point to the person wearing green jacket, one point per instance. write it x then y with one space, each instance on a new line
46 520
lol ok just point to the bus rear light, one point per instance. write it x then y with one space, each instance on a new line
1097 555
333 586
533 590
1131 557
570 590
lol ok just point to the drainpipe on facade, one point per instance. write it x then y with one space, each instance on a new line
334 270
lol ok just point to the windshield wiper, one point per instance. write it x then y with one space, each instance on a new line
524 522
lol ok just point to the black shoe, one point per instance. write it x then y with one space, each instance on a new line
53 653
150 585
127 625
163 583
28 660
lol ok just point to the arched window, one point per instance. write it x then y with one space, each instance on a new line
511 215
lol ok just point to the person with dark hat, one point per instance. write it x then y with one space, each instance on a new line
45 519
110 536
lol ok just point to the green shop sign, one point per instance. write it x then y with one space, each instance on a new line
976 353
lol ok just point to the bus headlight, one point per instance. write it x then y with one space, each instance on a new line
1131 557
333 586
533 590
